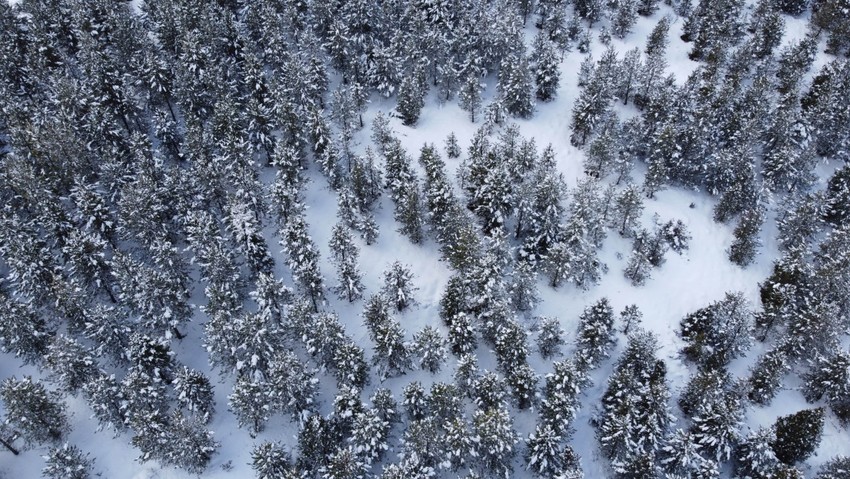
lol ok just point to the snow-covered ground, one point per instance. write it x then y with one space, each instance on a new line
683 284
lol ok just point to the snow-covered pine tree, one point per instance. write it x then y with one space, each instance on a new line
38 414
829 378
719 332
595 334
303 258
635 413
515 83
834 468
428 345
743 249
798 435
550 337
398 286
624 18
194 393
415 401
766 376
66 462
345 253
680 454
469 97
627 210
369 436
754 456
545 62
496 447
270 460
105 398
560 396
411 96
543 454
71 365
391 353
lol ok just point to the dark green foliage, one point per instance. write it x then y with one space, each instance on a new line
545 61
515 84
66 462
345 255
316 440
838 197
743 249
829 378
303 258
523 383
766 376
832 16
595 334
719 332
428 345
398 288
71 365
411 97
498 439
560 398
836 468
635 413
106 400
550 338
194 393
798 435
415 401
489 391
452 146
754 457
38 414
543 451
270 460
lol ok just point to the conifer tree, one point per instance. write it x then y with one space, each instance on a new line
515 84
627 210
452 146
766 376
70 363
66 462
754 456
560 400
635 413
834 468
595 334
798 435
550 338
270 460
543 451
829 378
545 61
344 253
194 393
398 288
624 18
303 258
38 414
428 345
719 332
411 96
469 97
497 444
743 249
106 400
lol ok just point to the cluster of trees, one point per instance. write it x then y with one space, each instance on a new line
131 153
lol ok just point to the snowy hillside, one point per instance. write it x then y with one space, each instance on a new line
267 239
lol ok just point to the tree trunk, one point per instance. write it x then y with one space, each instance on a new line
9 446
